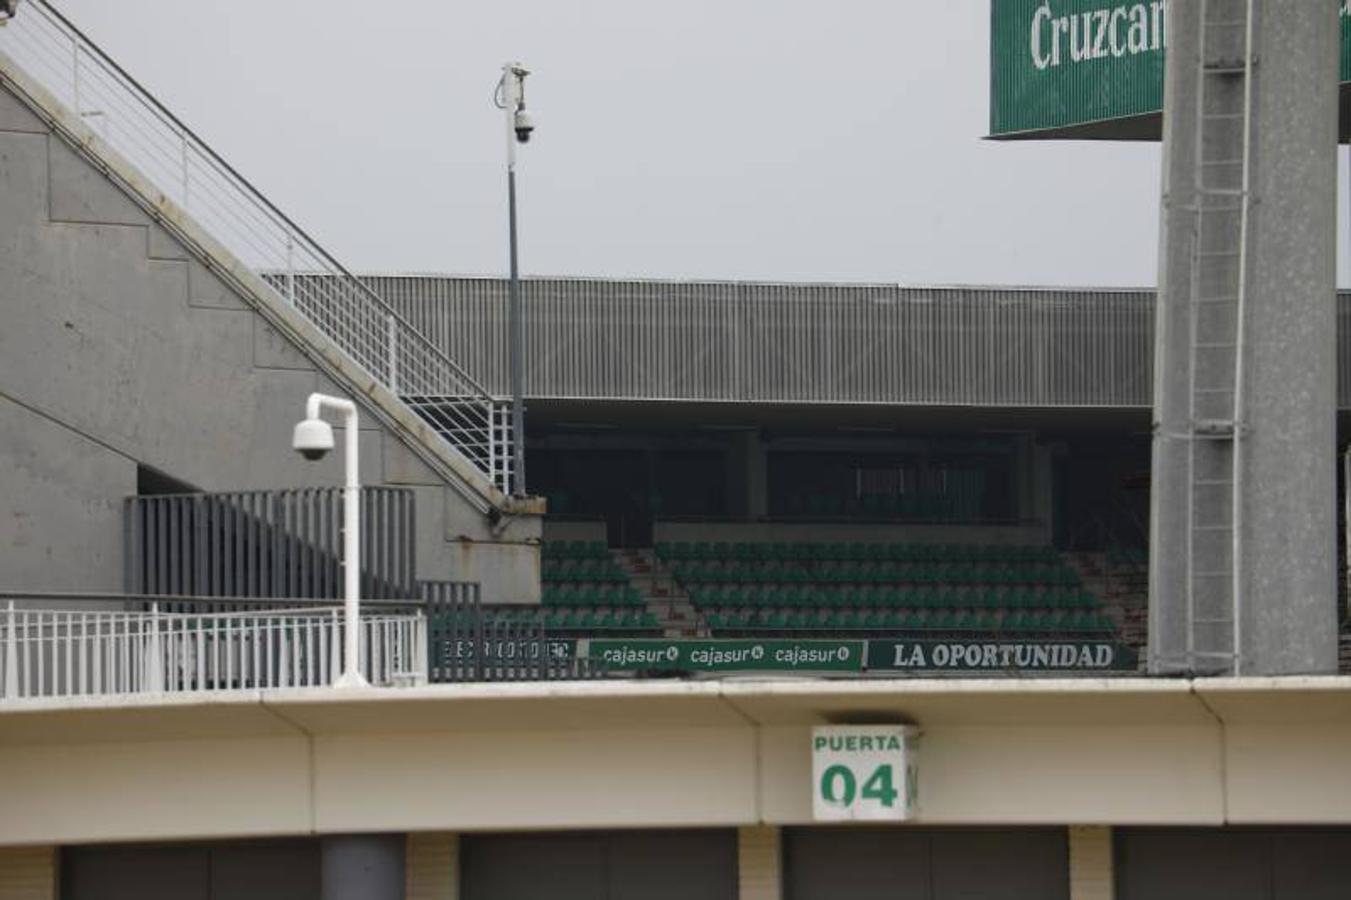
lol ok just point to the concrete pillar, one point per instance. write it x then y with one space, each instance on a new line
1264 550
1289 531
1091 863
757 477
363 867
28 873
1024 478
1042 509
747 476
759 863
432 866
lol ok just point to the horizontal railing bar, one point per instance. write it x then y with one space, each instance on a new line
95 597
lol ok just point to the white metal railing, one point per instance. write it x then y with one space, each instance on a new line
45 653
120 114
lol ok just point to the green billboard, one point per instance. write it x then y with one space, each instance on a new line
882 656
639 654
1085 68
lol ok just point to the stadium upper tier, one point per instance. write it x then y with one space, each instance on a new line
734 342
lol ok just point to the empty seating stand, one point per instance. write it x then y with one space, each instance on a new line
936 590
584 590
572 621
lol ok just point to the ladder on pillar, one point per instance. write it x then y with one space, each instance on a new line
1218 282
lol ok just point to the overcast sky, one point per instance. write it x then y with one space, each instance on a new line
774 139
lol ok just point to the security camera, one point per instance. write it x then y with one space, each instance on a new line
523 125
313 438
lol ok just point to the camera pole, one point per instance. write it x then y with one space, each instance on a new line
513 105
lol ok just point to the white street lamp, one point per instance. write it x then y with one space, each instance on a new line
313 438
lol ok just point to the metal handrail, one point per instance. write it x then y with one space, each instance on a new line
132 599
121 114
101 653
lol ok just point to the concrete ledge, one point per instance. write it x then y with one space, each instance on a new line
572 705
463 758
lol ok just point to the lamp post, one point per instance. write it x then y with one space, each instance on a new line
313 439
510 98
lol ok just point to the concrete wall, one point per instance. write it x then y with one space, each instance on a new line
467 758
117 347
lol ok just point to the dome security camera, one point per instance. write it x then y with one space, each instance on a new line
523 124
313 438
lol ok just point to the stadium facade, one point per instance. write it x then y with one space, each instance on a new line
825 591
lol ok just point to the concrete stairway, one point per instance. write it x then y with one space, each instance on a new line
661 593
1124 592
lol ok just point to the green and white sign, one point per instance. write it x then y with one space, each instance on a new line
725 656
864 773
999 656
883 655
1076 68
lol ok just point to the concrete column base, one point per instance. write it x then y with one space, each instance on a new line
432 866
28 873
1091 863
759 863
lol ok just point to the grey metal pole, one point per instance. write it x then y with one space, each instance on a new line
517 340
512 73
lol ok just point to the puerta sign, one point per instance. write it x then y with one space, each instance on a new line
1066 64
726 655
999 656
864 772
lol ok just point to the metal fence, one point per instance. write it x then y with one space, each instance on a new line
805 343
47 653
284 543
794 343
115 112
471 642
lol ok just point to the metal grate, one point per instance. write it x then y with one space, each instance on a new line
471 642
267 544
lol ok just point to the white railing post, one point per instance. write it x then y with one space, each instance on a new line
420 665
335 643
154 666
291 268
75 72
11 655
283 653
492 441
393 356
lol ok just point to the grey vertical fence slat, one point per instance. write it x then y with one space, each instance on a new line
266 544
